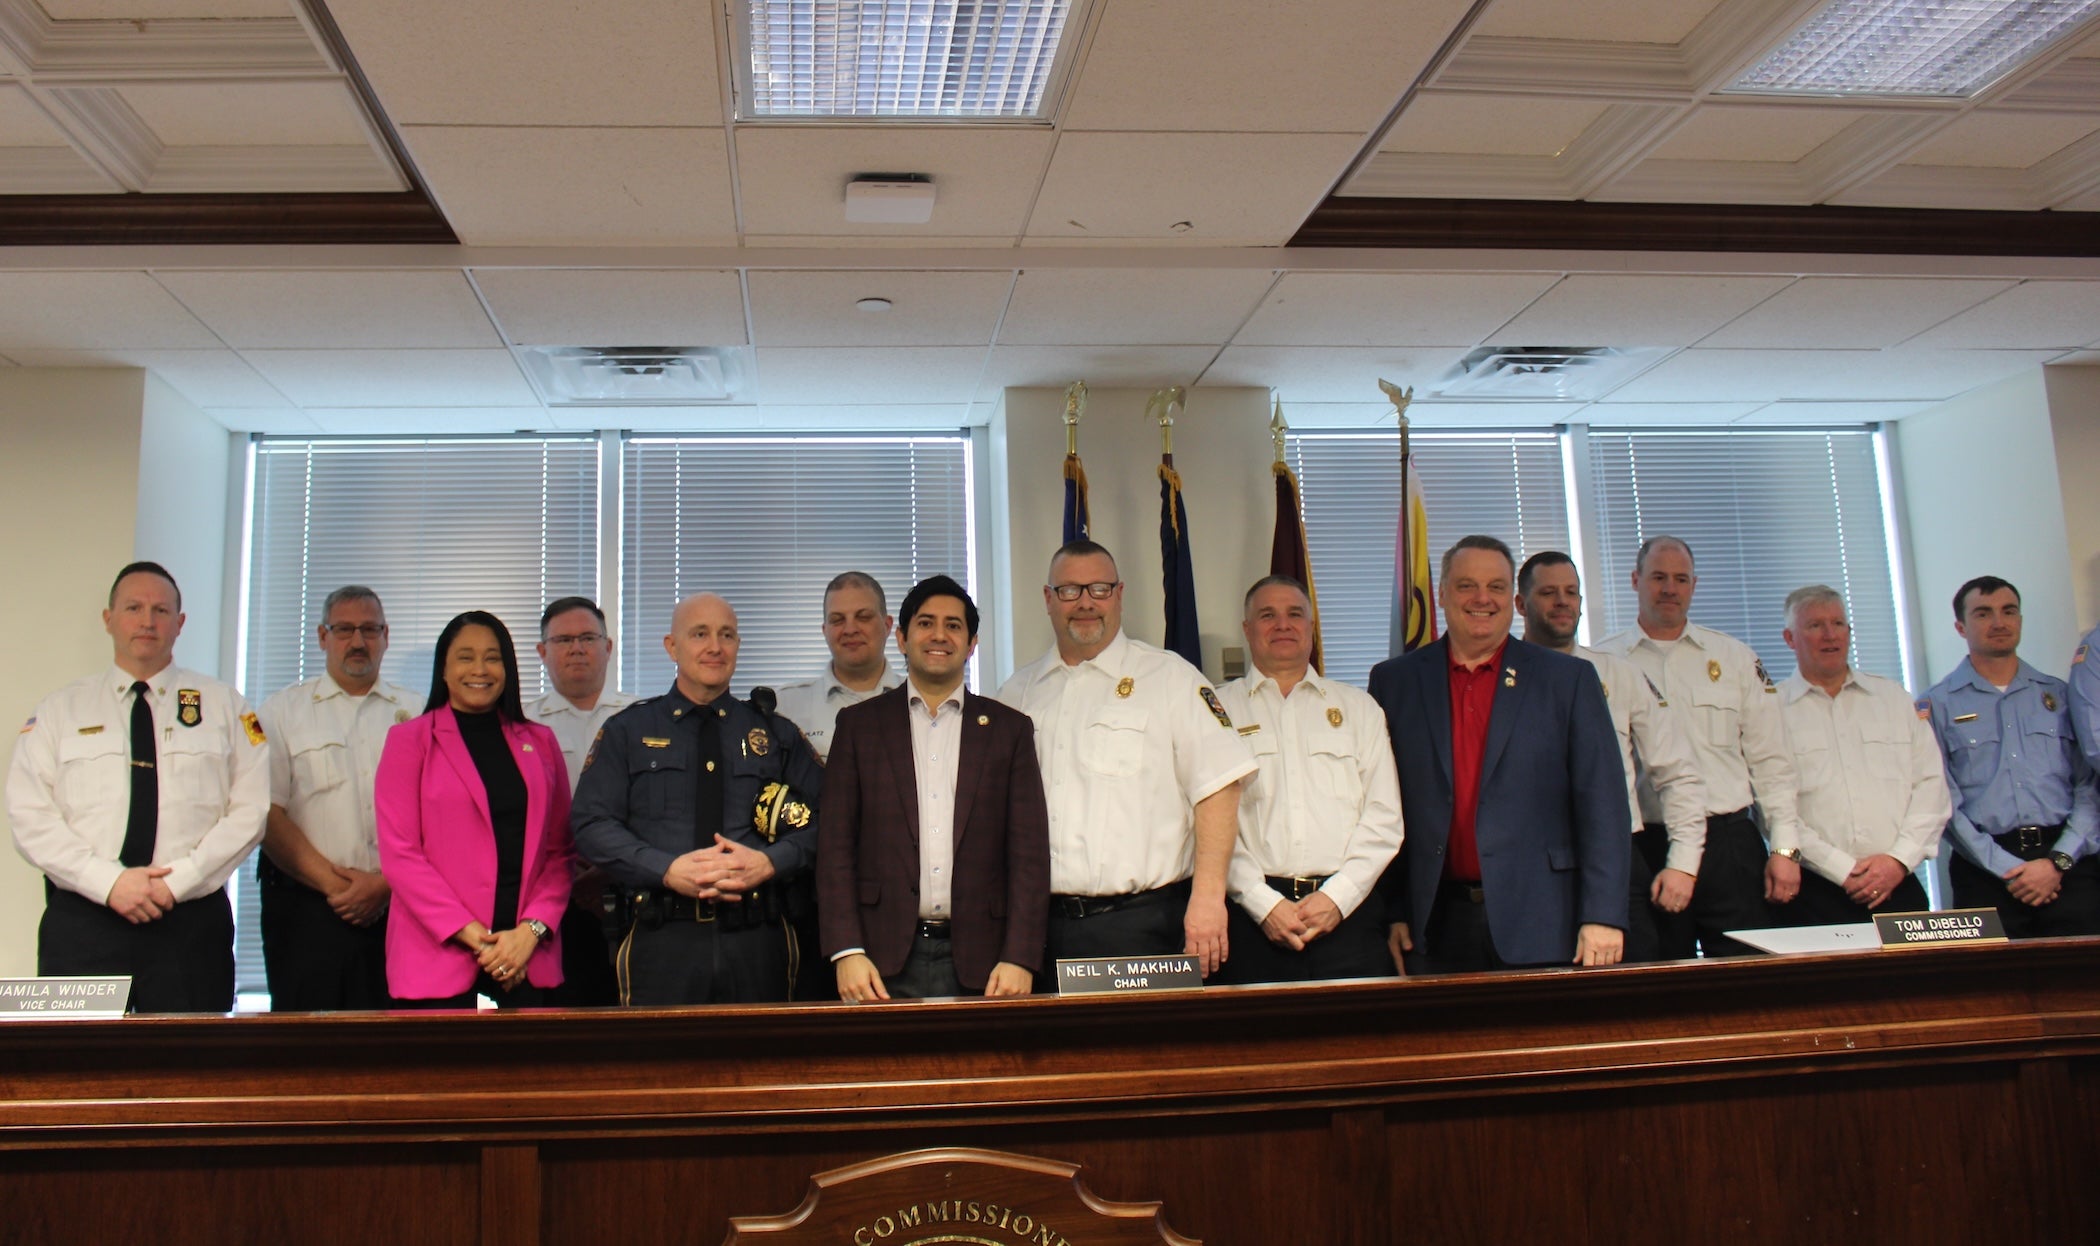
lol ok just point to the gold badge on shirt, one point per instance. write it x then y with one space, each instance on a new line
1124 685
2049 701
189 706
1334 716
1713 670
758 742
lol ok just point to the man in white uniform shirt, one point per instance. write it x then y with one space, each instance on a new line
1873 795
1651 746
1141 769
576 648
1320 820
138 791
1719 691
857 631
324 902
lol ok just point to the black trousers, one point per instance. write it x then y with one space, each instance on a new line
695 962
1824 903
1456 939
2075 911
1354 949
1643 919
587 979
1149 926
1730 894
314 960
928 973
181 963
523 995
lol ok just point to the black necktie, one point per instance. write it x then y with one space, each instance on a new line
707 776
143 823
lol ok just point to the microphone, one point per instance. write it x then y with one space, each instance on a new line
764 700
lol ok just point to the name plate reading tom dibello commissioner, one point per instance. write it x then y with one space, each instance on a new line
956 1195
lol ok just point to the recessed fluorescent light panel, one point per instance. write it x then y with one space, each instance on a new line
1944 49
903 60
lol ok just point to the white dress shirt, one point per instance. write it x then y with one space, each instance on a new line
1129 746
69 789
936 740
814 704
1654 750
324 753
1729 710
1871 776
1326 797
576 728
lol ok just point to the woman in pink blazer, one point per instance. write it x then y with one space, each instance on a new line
473 809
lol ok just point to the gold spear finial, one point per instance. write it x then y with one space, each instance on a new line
1277 427
1075 406
1161 407
1401 397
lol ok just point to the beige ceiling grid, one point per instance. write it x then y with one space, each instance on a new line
1624 102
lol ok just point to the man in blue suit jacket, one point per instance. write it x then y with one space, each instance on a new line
1528 866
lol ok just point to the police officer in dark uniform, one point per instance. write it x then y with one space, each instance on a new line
699 807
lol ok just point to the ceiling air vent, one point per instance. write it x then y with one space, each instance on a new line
645 376
1545 373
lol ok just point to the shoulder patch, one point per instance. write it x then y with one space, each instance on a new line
30 725
253 726
591 754
2079 656
1217 707
1763 678
1924 710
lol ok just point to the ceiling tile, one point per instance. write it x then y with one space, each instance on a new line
1101 367
286 422
1329 373
1491 125
1753 133
249 114
1229 188
1390 309
208 378
1130 306
1621 21
93 311
1908 373
1665 414
2002 140
334 310
1818 413
22 123
493 62
526 187
396 378
793 178
2030 315
927 308
1648 310
789 375
1841 312
428 421
1337 66
614 307
829 417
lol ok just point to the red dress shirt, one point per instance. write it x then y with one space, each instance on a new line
1472 701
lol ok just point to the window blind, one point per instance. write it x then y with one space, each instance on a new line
1507 485
435 526
1765 511
766 522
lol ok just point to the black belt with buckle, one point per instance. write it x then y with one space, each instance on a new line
1296 887
755 909
1458 889
934 930
1074 908
2029 838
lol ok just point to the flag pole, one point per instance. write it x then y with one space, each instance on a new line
1401 632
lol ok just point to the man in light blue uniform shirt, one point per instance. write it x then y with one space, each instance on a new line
2026 813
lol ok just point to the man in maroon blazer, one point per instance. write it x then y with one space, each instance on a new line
933 843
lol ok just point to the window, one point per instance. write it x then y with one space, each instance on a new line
1765 512
768 521
1508 485
436 526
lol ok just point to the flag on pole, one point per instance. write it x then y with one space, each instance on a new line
1414 613
1288 553
1183 636
1075 500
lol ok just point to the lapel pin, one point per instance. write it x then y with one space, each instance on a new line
984 720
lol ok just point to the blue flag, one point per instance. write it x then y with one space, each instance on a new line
1183 636
1076 525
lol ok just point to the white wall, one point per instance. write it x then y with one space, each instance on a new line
1981 496
181 514
1222 448
69 501
2074 424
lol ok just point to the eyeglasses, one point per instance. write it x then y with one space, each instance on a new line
363 631
582 640
1071 592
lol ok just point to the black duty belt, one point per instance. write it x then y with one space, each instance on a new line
759 907
2024 839
1073 908
1296 886
933 930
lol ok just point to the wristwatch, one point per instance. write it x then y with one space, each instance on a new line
1791 854
537 927
2062 861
